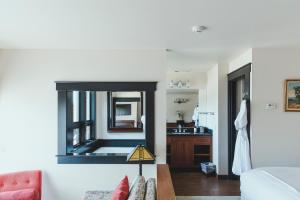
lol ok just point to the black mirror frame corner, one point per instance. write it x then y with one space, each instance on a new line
64 142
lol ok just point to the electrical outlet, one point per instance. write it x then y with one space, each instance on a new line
271 106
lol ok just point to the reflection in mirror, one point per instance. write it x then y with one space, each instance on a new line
97 114
125 111
75 106
88 115
83 118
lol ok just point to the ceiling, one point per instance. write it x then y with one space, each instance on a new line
233 26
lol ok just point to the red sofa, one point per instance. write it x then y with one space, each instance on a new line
21 181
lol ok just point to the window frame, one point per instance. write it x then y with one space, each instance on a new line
83 121
65 145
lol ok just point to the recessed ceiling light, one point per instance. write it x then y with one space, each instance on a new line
198 29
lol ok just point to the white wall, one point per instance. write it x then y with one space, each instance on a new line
203 106
197 79
217 103
275 134
240 61
28 113
212 106
187 108
223 119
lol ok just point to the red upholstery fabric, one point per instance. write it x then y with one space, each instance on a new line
122 191
22 180
27 194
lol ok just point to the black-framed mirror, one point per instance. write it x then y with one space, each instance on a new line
83 131
125 111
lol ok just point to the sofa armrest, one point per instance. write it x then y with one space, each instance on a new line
165 189
22 180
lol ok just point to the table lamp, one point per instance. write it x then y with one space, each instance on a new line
139 154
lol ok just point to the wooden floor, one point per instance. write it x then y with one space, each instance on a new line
197 184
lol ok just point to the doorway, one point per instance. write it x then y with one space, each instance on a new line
238 90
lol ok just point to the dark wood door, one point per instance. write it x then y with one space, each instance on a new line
238 89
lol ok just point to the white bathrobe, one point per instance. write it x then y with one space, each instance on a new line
196 116
241 161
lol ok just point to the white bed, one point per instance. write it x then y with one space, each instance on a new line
274 183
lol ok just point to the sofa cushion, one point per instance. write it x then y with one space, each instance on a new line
122 191
150 193
132 183
26 194
98 195
138 190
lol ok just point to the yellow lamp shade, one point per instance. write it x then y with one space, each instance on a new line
140 153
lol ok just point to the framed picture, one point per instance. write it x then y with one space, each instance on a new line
292 95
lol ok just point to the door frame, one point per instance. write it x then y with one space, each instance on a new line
243 72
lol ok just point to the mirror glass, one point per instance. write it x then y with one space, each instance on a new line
106 115
125 111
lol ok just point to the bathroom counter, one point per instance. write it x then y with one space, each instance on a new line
189 134
187 151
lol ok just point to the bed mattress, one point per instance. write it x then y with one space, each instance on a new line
274 183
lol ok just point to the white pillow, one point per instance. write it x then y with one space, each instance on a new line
150 193
138 190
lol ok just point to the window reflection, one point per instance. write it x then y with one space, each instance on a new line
82 117
75 106
88 105
76 137
97 114
88 132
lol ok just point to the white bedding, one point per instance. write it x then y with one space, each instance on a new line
274 183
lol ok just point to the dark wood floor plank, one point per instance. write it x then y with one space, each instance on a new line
197 184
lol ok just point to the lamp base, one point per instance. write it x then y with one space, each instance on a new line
140 168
